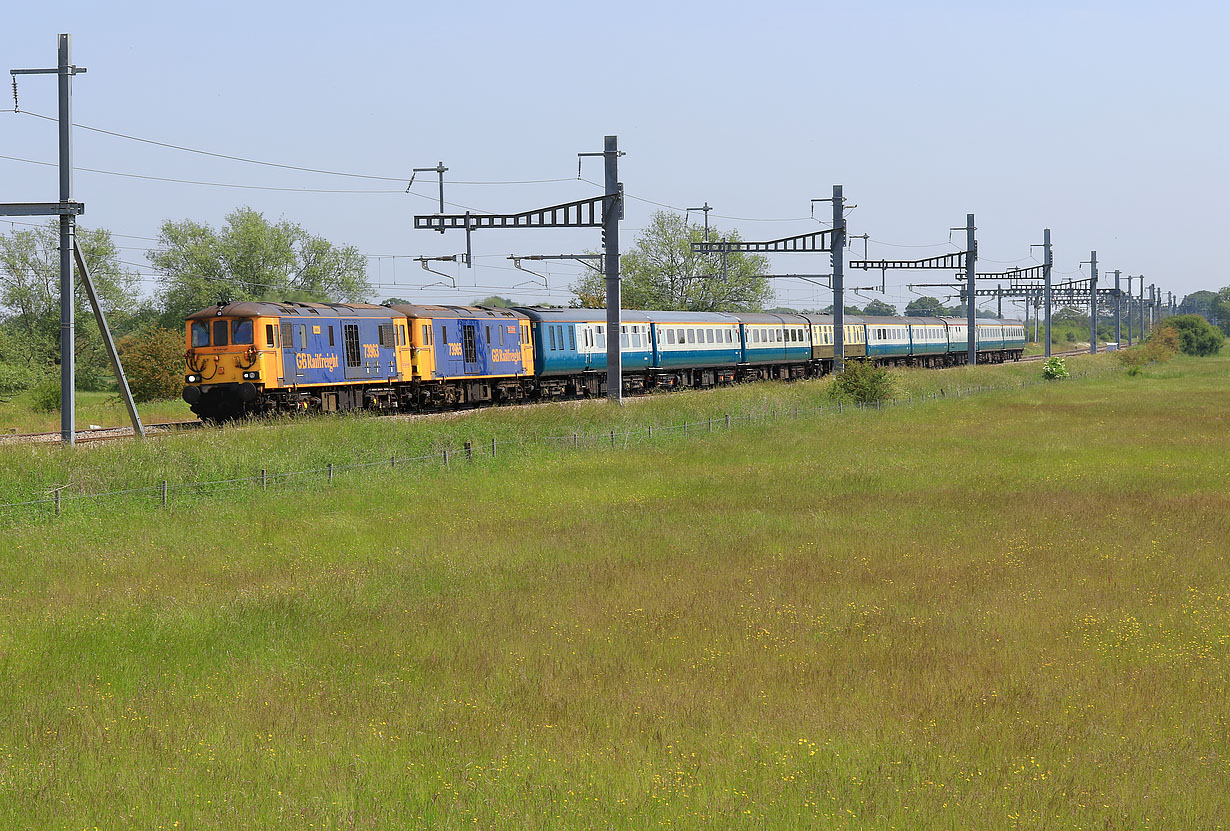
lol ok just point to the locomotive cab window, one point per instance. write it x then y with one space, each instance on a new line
200 333
221 330
241 331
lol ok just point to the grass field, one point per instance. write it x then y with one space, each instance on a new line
105 409
1004 610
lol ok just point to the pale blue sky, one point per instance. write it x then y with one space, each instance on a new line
1105 121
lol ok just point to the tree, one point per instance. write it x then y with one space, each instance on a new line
30 302
250 258
879 307
153 362
1219 309
1196 335
926 307
850 310
661 272
496 301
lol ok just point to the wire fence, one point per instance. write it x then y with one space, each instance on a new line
163 494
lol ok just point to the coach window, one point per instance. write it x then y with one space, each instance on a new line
670 335
572 338
551 336
601 337
220 332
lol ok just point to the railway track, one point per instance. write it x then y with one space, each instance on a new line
168 427
1068 353
101 434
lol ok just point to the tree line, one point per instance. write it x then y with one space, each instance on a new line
192 265
249 257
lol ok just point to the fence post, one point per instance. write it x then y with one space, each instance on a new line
576 442
264 480
710 424
446 457
56 494
612 438
469 452
164 493
393 460
650 431
493 447
685 426
839 405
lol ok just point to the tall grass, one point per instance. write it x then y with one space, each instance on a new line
238 451
1006 610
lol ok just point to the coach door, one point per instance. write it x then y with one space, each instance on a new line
469 347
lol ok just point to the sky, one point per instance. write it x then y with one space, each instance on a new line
1103 121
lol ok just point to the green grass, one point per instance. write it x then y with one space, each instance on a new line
1004 610
105 409
238 451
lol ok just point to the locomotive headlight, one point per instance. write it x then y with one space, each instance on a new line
251 376
191 379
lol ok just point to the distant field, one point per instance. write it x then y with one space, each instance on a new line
1004 610
17 415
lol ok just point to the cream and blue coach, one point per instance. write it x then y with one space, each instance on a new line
570 353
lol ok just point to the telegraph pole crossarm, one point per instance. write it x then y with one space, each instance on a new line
817 242
945 262
584 213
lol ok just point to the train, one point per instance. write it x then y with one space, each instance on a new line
252 358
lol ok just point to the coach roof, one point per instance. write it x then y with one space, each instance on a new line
414 310
262 308
551 314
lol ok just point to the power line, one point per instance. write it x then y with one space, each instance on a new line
282 165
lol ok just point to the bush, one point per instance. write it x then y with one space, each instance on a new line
153 363
17 378
1054 369
45 395
1069 336
862 382
1196 335
1161 346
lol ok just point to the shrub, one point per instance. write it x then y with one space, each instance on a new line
1161 346
864 383
1069 336
1195 335
1054 369
17 377
45 395
153 363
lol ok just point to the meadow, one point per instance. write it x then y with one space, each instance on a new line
1001 610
